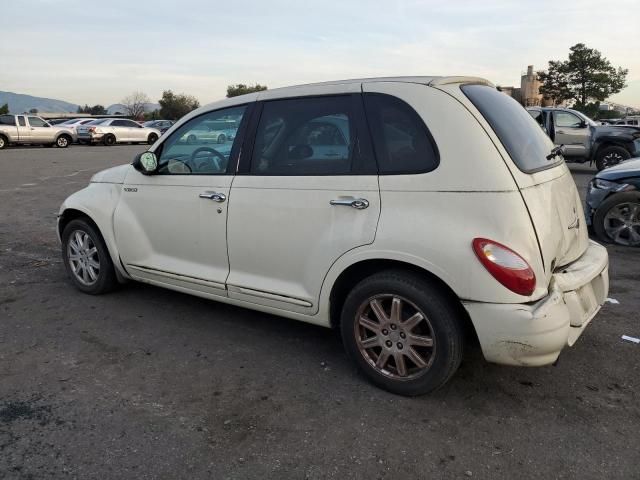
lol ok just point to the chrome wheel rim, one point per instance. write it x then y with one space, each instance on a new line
612 159
82 254
622 224
395 337
62 142
1 142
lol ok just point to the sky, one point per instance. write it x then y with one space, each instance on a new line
85 51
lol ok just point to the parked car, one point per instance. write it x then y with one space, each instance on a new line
56 121
110 131
74 123
162 125
632 120
613 204
447 211
29 129
220 131
586 141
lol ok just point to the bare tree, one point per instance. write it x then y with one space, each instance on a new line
135 104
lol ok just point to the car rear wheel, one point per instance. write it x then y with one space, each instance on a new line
86 258
617 219
610 156
402 332
152 138
109 140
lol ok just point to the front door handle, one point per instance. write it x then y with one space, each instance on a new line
215 196
359 203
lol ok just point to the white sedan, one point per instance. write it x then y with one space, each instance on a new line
110 131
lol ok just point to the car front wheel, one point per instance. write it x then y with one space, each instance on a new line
403 332
617 219
610 156
87 259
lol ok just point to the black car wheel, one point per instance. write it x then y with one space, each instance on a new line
152 138
610 156
109 140
617 219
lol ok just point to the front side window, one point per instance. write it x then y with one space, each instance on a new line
203 145
567 120
37 122
523 139
401 140
305 136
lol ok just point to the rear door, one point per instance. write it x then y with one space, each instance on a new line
571 132
306 193
545 183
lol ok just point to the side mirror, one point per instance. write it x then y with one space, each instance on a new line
583 124
146 163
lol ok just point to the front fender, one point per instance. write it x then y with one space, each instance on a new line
97 201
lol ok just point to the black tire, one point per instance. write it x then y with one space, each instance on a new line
444 324
4 142
610 156
109 140
106 277
63 141
152 138
600 217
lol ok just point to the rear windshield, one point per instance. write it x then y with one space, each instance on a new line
522 137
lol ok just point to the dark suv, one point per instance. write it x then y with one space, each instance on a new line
586 141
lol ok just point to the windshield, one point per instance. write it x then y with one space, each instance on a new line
522 137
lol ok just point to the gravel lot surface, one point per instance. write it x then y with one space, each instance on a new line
149 383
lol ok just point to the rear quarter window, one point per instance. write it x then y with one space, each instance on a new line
401 140
522 137
7 120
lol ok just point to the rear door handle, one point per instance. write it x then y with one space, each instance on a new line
359 203
215 196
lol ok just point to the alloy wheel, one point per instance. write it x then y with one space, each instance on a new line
395 337
62 142
622 223
82 254
611 159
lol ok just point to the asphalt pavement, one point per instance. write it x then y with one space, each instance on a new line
150 383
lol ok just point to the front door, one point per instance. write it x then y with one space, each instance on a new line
171 227
40 130
571 132
306 193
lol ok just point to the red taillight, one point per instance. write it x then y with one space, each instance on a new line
506 266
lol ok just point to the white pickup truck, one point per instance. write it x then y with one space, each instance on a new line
23 129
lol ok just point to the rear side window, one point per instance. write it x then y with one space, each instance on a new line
22 122
401 140
522 137
307 136
7 120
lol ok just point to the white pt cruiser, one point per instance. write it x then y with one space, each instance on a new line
410 213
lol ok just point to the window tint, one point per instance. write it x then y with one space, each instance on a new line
400 138
195 148
306 136
22 122
7 120
37 122
522 137
566 119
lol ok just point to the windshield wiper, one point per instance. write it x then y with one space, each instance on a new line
556 152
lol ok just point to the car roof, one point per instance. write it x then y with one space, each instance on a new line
342 86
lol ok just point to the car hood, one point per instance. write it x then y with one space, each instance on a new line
626 169
111 175
617 129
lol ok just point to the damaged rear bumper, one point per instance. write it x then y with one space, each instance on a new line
534 334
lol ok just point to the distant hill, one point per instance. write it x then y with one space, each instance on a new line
119 109
19 103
